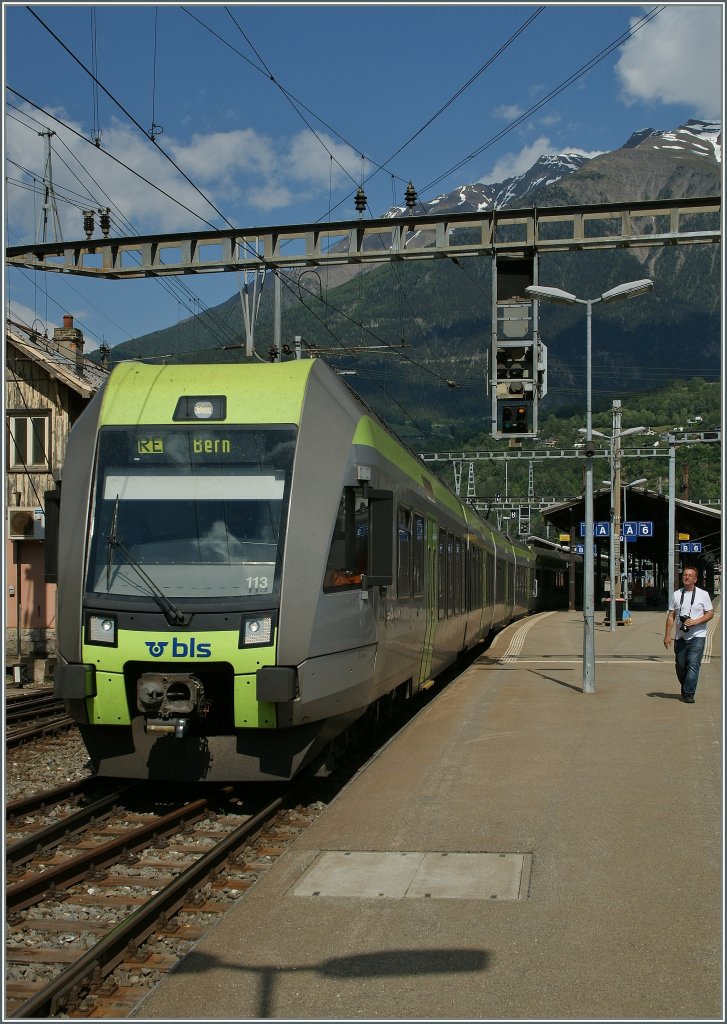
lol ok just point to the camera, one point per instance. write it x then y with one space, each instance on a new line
683 619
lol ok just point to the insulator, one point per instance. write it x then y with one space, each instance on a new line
361 200
410 196
105 221
88 222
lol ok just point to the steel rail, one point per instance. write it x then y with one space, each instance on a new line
64 828
109 951
75 869
38 731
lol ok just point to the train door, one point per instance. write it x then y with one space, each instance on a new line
430 599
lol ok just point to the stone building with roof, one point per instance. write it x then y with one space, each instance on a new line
48 383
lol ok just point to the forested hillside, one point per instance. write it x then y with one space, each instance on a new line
693 406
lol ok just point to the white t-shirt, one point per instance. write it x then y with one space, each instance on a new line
682 604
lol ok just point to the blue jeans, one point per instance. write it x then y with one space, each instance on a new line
688 658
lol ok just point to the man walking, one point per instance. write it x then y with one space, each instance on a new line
693 607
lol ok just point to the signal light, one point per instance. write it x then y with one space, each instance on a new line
514 417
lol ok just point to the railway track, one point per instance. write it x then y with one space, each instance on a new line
30 716
104 882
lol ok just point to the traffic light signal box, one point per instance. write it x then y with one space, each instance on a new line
517 359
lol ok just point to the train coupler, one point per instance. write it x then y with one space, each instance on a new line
169 701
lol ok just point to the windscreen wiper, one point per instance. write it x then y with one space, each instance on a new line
172 613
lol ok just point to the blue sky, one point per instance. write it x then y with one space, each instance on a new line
233 87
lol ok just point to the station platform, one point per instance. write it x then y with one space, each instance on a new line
521 850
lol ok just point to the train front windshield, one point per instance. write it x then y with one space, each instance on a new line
197 512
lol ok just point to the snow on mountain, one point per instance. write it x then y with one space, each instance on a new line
700 138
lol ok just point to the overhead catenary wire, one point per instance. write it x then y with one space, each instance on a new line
164 282
106 152
565 84
171 285
264 68
96 121
133 120
377 166
155 129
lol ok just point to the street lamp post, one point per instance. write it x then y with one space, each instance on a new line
614 547
621 291
634 483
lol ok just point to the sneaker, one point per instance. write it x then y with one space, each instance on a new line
688 698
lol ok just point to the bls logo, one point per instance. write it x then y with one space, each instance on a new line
180 648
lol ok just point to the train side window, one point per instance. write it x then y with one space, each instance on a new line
403 576
457 596
442 575
348 554
418 556
450 573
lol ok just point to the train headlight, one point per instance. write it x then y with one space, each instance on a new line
202 410
256 630
200 407
101 629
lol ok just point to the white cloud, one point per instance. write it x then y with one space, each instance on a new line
511 164
676 58
508 113
307 160
270 196
220 155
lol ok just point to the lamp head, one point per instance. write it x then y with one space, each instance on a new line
628 290
535 291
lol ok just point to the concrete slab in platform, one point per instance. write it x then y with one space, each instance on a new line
359 874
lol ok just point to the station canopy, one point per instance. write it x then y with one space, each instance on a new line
700 523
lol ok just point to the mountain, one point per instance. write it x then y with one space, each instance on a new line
667 152
651 165
513 192
435 315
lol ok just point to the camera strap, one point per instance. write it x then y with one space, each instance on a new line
690 603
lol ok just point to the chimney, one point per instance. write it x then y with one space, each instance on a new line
70 337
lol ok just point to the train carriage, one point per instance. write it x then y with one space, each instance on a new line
248 561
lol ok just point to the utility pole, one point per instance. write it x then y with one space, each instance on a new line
49 208
616 531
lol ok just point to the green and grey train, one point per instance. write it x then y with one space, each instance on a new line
248 561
